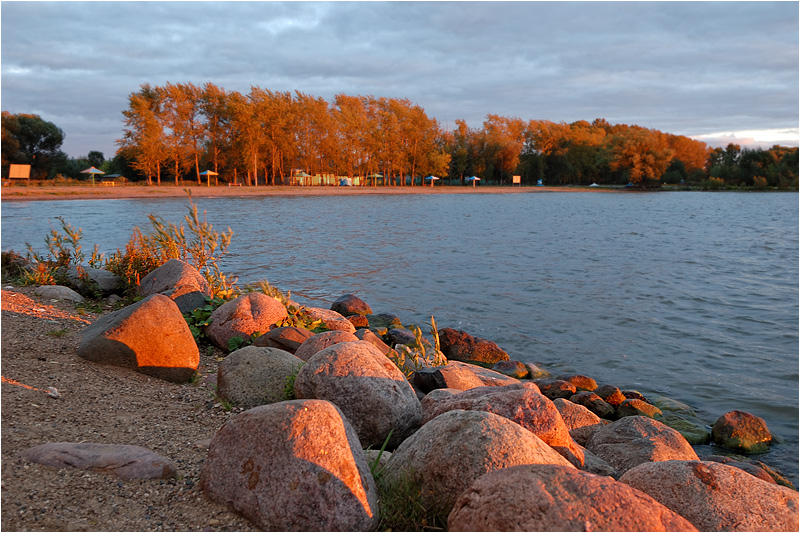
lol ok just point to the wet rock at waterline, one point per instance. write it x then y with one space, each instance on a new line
461 346
514 369
368 388
742 431
634 407
594 403
122 460
558 498
243 316
350 304
178 280
717 497
292 466
254 376
150 336
581 382
556 388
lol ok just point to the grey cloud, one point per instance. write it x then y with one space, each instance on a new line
683 67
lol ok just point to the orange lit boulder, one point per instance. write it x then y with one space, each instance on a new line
331 319
558 498
350 304
462 346
150 336
243 316
521 403
292 466
717 497
454 449
178 280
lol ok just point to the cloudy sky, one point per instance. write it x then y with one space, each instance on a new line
718 71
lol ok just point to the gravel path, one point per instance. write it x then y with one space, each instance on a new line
98 404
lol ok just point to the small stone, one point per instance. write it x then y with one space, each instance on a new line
556 388
610 394
580 382
633 407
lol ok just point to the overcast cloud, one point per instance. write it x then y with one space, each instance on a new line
689 68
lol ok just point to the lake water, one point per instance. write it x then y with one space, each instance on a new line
689 295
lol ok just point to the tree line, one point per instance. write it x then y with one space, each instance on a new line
173 132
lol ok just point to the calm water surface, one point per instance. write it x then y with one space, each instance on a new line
689 295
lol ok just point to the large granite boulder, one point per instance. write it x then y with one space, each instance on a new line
461 346
454 449
522 404
254 376
634 440
178 280
287 338
150 336
292 466
320 341
243 316
350 304
330 319
717 497
122 460
368 388
742 431
558 498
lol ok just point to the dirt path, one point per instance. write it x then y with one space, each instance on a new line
103 405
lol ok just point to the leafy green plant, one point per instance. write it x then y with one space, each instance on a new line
199 318
234 343
288 386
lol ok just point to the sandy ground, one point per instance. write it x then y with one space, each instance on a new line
98 404
19 191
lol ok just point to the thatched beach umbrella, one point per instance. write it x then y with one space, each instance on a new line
92 171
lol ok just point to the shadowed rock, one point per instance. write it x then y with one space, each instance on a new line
178 280
58 292
254 376
122 460
288 338
320 341
150 336
350 304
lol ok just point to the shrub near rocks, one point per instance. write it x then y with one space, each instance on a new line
292 466
558 498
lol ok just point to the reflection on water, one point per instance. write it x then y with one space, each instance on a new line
689 295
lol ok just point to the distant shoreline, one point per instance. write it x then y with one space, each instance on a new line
40 193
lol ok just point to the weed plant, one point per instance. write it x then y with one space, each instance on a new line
411 358
404 506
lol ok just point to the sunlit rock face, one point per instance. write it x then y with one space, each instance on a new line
292 466
558 498
717 497
451 451
150 336
243 316
320 341
462 346
742 431
521 403
634 440
369 389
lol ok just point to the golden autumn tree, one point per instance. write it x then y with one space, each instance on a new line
642 153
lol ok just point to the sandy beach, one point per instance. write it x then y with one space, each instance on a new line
35 192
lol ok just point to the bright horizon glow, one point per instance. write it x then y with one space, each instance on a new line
751 138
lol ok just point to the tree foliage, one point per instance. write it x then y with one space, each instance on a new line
30 140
